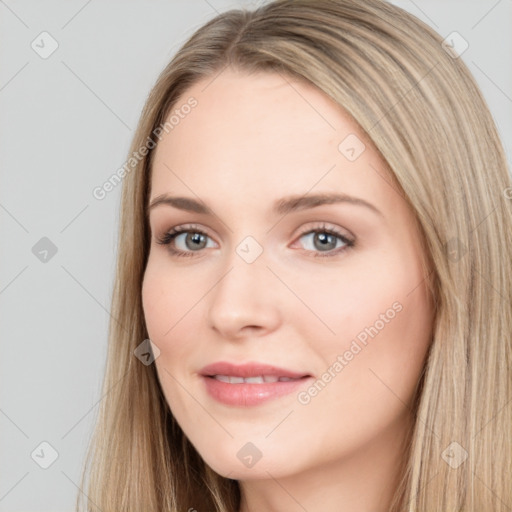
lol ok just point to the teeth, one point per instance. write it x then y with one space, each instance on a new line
254 380
261 379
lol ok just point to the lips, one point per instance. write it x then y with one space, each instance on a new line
260 379
250 384
238 374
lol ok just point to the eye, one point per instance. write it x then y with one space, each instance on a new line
185 240
325 241
189 240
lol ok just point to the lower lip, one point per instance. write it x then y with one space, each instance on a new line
242 395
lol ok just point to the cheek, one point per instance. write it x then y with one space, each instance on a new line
382 323
154 301
172 302
379 316
163 299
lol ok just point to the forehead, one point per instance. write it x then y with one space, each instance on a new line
263 134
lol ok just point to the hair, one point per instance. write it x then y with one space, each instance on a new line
424 113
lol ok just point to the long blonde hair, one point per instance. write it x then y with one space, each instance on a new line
424 113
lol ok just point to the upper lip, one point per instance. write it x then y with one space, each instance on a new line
252 369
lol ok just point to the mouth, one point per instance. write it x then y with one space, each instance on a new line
251 373
250 384
260 379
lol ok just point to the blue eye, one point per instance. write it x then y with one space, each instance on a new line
193 239
188 241
326 241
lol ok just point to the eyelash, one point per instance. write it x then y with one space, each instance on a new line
168 237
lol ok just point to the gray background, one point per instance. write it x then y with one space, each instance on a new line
65 127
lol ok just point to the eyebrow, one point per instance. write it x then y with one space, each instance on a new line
282 206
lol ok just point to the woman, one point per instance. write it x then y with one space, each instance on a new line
316 238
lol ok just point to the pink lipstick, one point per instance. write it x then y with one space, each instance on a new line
249 384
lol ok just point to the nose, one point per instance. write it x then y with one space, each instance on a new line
244 302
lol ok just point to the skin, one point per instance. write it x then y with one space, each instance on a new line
250 141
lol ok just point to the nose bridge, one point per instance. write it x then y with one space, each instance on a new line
246 269
244 281
242 297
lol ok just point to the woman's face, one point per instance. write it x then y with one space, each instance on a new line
269 271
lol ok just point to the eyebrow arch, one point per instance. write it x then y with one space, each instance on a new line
282 206
294 203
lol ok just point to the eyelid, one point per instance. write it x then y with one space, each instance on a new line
317 226
184 228
349 241
168 237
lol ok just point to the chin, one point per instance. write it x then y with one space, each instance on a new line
236 464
